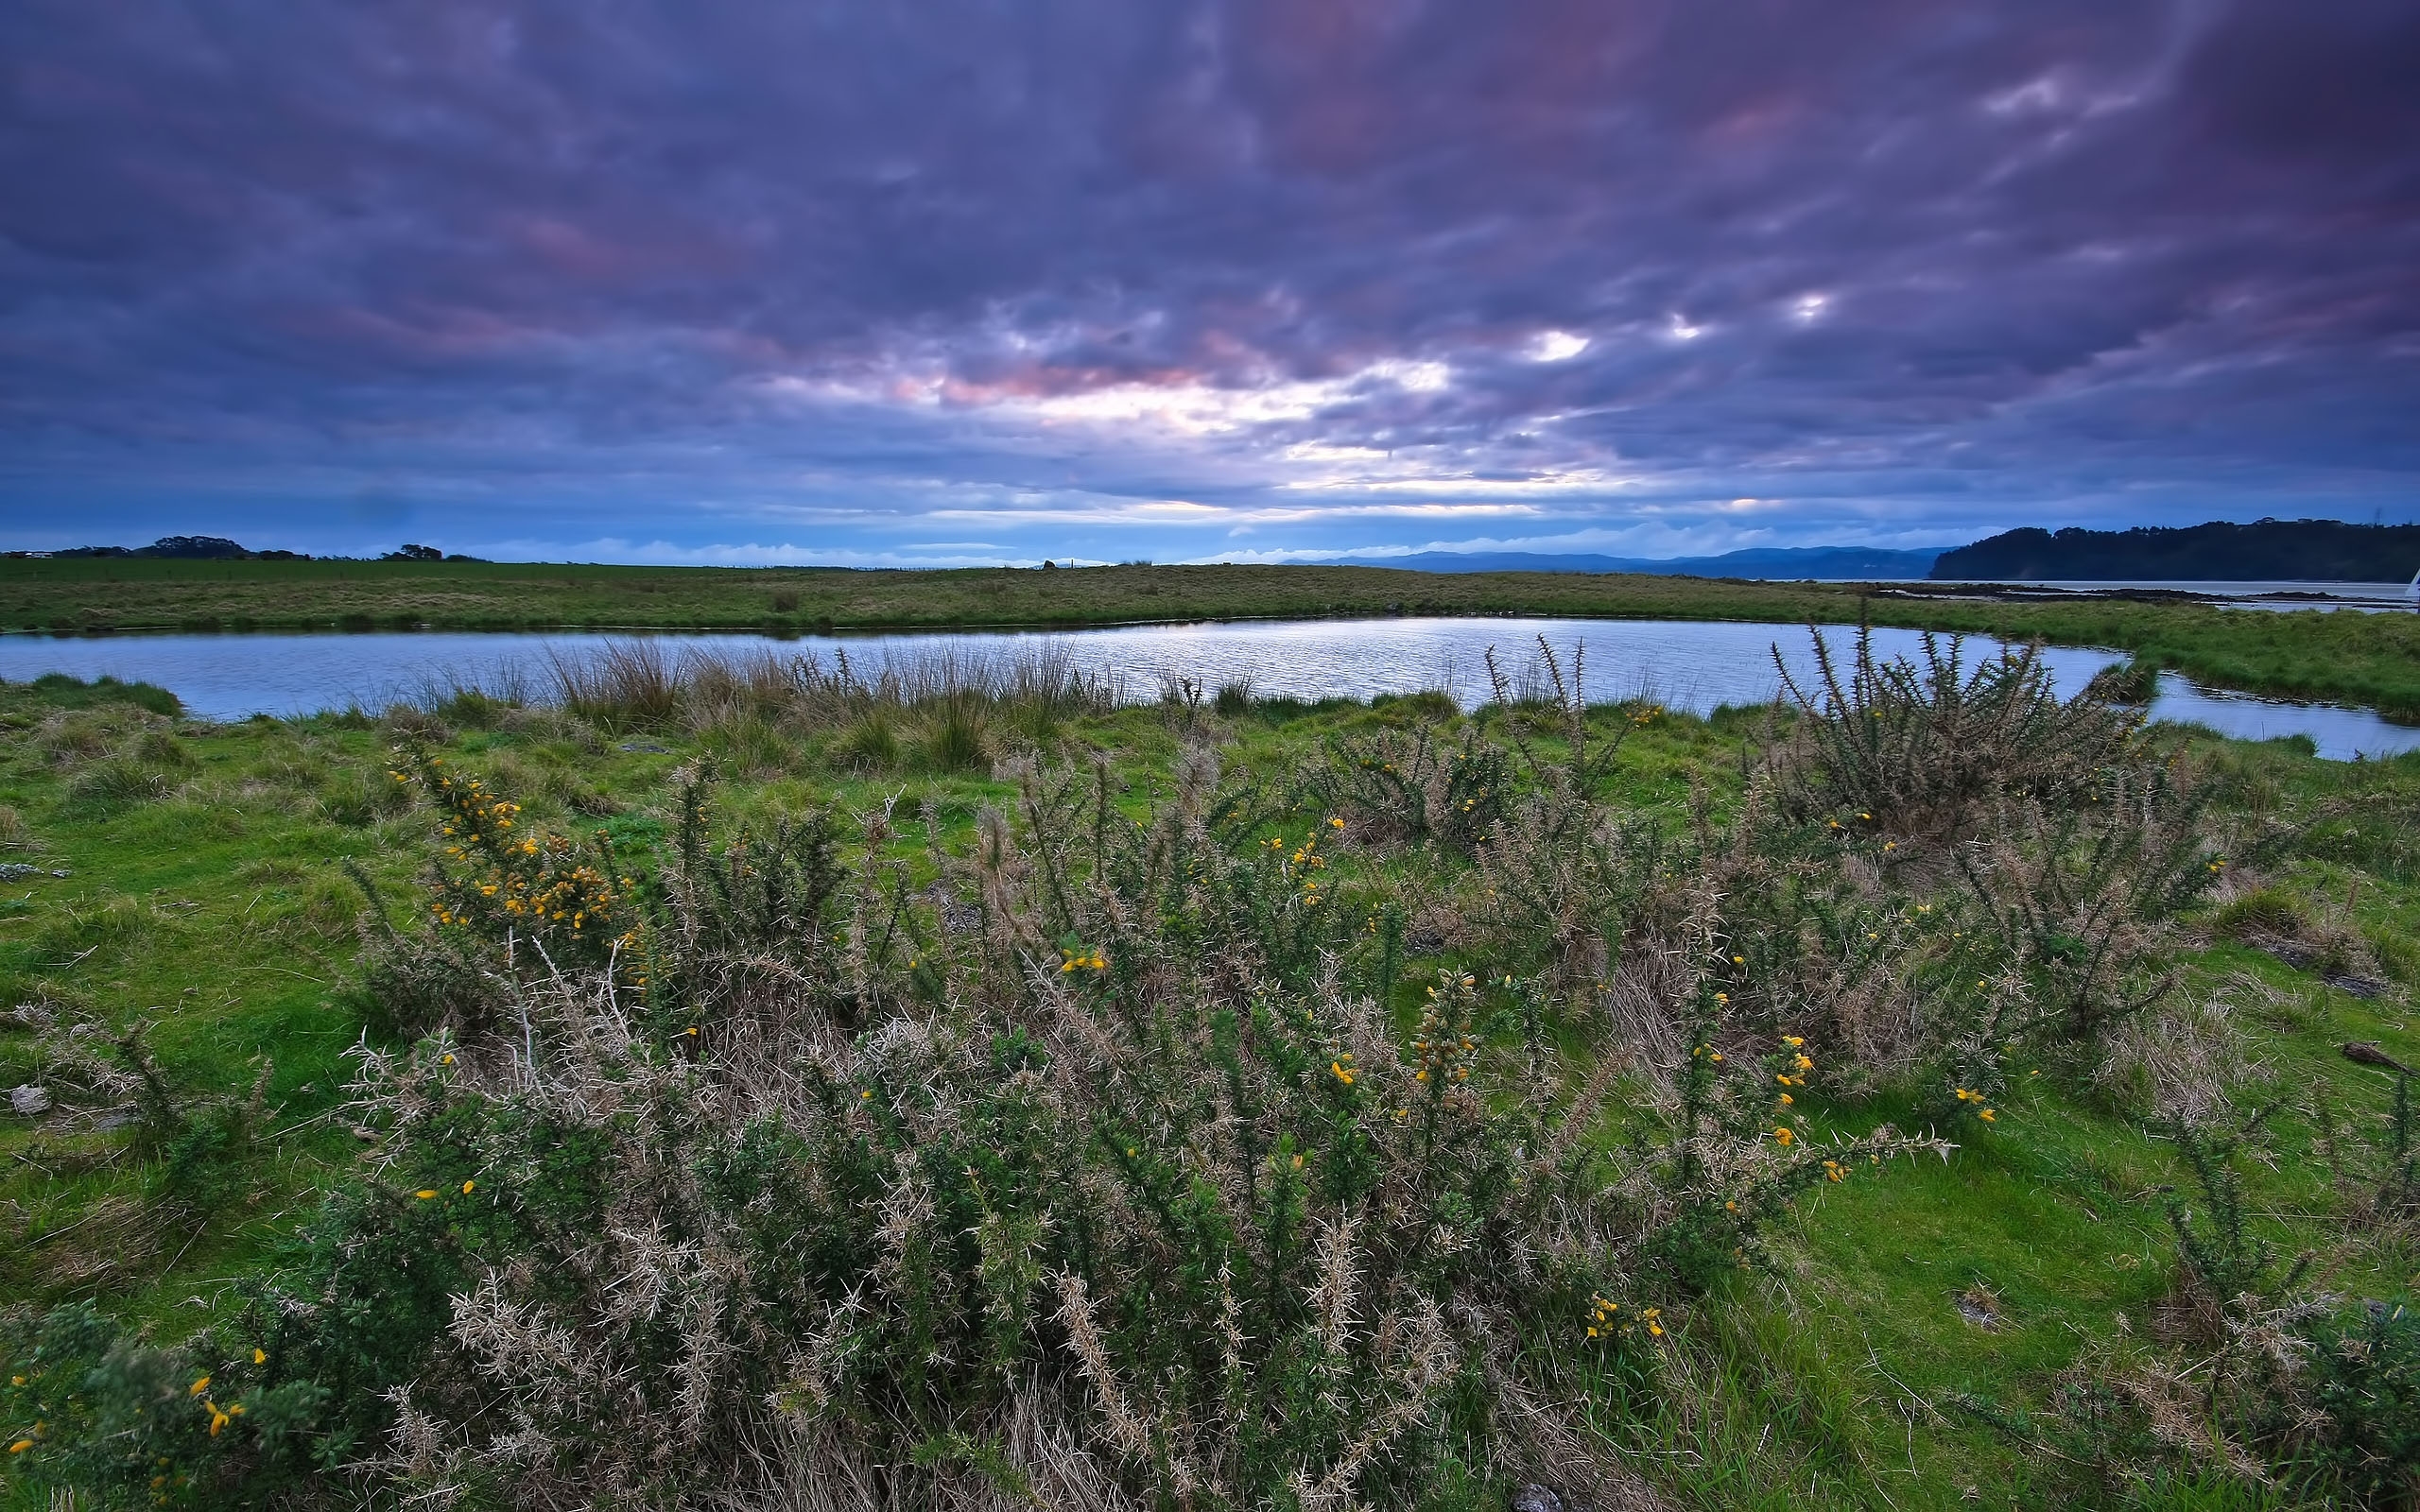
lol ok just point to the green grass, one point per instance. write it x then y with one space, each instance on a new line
207 900
2372 659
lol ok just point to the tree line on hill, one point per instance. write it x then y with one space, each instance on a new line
219 548
2263 551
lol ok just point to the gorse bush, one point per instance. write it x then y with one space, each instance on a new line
1124 1160
2075 899
117 1421
2288 1390
1414 786
1094 1169
565 904
1922 751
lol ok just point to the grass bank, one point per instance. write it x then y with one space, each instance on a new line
1043 1099
2372 659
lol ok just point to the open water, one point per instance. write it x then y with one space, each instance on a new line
1690 664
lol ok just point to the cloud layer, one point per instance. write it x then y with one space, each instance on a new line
964 282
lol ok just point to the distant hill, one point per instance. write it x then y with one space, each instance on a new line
2264 551
191 548
1821 562
219 548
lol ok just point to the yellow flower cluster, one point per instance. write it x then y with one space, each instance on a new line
219 1416
1605 1317
1444 1044
1986 1114
1089 960
527 881
1797 1067
1601 1313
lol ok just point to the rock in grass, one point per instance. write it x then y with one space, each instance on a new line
1536 1498
30 1101
2366 1053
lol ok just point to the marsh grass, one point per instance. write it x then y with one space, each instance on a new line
941 707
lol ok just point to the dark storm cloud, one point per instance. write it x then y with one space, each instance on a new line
1295 275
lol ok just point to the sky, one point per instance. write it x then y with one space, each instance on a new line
950 282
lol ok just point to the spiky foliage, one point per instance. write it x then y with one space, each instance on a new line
1922 751
1089 1160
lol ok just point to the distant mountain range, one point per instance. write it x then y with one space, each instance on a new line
1828 562
2263 551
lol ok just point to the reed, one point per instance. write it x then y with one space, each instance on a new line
644 685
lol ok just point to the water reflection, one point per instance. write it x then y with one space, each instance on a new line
1697 665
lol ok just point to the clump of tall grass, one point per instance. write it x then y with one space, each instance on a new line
619 685
944 708
2275 920
116 784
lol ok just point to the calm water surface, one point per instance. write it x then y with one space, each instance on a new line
1697 665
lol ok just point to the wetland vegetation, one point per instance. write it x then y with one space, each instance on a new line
2367 660
733 1082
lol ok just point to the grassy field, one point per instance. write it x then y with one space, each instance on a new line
2370 659
2007 1319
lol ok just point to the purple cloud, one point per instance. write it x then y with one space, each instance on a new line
971 283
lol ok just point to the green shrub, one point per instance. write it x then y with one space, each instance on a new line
1925 750
358 799
61 691
871 743
1408 787
127 1423
2367 1368
513 887
162 747
2396 953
